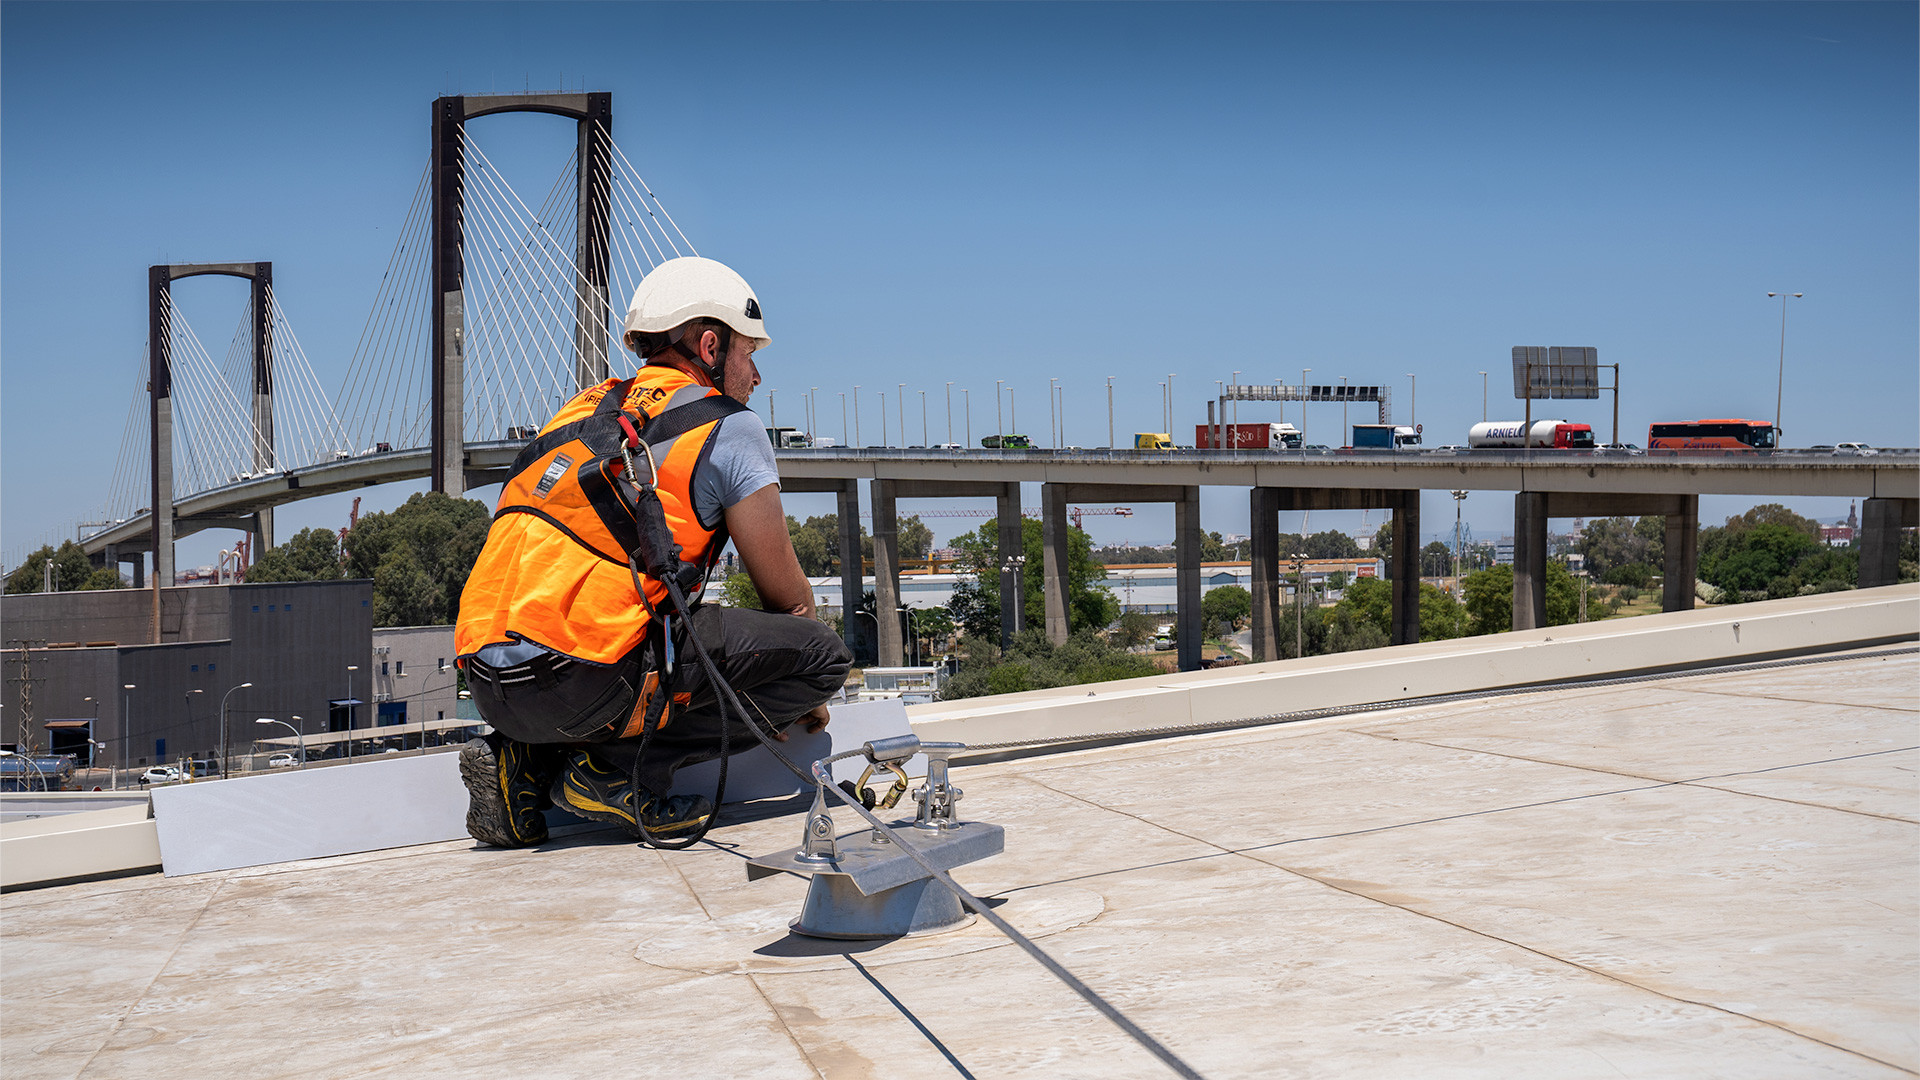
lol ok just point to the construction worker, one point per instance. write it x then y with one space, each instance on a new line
565 644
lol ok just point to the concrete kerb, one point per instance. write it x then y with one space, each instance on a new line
1652 643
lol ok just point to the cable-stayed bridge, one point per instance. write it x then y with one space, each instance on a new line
492 309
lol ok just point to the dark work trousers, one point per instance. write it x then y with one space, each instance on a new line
780 666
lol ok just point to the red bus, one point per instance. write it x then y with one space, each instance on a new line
1711 435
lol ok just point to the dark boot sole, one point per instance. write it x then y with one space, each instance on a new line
487 818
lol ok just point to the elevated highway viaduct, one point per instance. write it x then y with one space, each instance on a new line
1545 483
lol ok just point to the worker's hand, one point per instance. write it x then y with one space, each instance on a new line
815 720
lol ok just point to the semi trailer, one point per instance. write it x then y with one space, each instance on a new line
1545 434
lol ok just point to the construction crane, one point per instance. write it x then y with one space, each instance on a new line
353 518
1075 514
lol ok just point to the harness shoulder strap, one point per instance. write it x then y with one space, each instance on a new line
545 444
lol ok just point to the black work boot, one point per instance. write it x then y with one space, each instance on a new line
507 789
595 792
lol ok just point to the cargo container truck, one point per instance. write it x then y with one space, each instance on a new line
1249 437
1007 442
1385 437
1152 440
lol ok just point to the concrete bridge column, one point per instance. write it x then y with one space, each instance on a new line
886 575
852 574
1054 535
1529 559
1880 523
1264 520
1406 569
1012 545
1186 540
1682 555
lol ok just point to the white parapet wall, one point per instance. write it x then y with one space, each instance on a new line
75 847
1668 641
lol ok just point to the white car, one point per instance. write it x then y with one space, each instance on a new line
948 446
280 761
160 774
1858 449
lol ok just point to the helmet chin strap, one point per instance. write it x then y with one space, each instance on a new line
717 372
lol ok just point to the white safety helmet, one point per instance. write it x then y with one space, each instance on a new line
687 288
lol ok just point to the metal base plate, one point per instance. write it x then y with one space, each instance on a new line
875 868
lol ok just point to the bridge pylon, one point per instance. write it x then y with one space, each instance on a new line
160 281
593 114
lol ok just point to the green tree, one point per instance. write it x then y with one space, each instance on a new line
738 591
935 627
816 557
1757 553
1213 548
1368 601
976 599
1489 600
1229 604
442 537
312 555
1349 631
1436 560
1032 662
1332 545
1134 628
1298 622
404 593
72 571
916 540
1441 616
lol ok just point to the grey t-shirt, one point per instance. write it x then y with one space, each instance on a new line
741 463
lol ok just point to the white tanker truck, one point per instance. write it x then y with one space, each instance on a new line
1546 434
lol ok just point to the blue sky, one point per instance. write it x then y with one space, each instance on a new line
923 192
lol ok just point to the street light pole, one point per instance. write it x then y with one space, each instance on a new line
1053 429
949 410
1413 402
813 414
1345 431
1781 389
298 735
998 428
901 405
843 419
1483 397
223 727
856 412
773 419
1109 412
1305 393
966 398
351 668
1169 404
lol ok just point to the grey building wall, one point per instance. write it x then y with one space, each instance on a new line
115 616
293 641
413 674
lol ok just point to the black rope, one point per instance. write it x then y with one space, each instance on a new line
972 903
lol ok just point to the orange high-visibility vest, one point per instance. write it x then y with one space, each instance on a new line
555 570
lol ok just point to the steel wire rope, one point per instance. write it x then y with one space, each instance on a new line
633 207
415 352
508 329
371 358
212 447
551 212
326 434
484 343
519 275
406 338
185 408
621 284
367 350
1270 719
642 184
973 903
290 371
394 371
634 255
525 259
620 268
236 373
133 440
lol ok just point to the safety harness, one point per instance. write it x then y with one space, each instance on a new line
621 469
